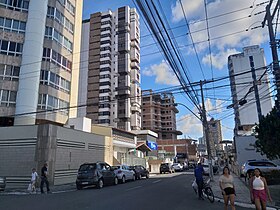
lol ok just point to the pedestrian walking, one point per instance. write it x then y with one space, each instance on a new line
198 173
34 178
259 191
227 187
44 178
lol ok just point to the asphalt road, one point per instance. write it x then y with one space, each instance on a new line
162 192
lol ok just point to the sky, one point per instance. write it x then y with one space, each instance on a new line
232 25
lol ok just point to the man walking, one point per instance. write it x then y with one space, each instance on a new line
198 173
44 178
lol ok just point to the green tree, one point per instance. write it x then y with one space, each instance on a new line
268 135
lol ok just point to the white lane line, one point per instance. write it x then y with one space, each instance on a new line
156 181
133 188
63 191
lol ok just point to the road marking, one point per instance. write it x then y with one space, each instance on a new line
133 188
156 181
63 191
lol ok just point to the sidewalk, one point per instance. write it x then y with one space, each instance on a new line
22 190
242 193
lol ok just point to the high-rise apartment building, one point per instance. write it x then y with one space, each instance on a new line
242 91
109 71
215 136
159 114
39 57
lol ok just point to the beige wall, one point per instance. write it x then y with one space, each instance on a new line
76 59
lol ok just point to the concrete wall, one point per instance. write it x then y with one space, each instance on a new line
64 149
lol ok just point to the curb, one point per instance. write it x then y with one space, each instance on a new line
245 205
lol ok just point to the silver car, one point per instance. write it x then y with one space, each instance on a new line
124 173
264 165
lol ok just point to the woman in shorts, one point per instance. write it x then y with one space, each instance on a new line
259 191
227 187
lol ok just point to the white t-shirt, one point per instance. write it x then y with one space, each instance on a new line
258 184
226 181
34 176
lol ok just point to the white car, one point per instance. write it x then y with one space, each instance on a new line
124 173
178 167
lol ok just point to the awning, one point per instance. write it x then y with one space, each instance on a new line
143 147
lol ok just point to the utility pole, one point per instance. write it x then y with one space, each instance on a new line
258 103
268 17
206 131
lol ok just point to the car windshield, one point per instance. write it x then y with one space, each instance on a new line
87 167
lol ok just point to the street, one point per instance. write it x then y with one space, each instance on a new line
163 192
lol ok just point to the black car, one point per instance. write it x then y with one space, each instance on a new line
140 171
166 167
97 174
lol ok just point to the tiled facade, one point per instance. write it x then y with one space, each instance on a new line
38 60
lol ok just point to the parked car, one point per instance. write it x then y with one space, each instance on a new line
178 167
97 174
2 183
140 171
124 173
264 165
166 167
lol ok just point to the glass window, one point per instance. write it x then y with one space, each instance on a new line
4 45
15 24
12 47
22 26
5 95
16 71
8 23
13 96
19 47
1 21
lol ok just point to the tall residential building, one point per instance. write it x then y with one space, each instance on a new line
109 71
215 135
39 53
159 114
252 58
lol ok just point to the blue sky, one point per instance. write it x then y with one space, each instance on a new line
226 17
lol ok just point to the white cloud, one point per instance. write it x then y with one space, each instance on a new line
163 74
190 6
219 60
227 32
190 126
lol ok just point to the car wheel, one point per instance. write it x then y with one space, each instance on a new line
100 184
160 172
123 179
147 176
116 181
79 187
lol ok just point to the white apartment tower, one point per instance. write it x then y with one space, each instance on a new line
109 71
38 60
251 60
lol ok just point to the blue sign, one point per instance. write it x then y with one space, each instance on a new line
152 145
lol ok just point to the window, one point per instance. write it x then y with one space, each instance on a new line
49 102
53 34
8 98
55 81
10 48
58 59
18 5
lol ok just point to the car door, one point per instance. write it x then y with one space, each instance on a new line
104 172
110 173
